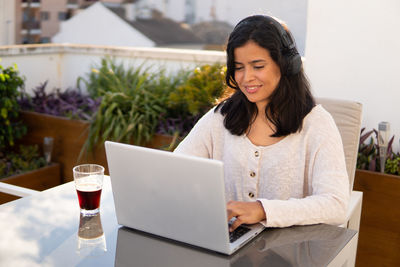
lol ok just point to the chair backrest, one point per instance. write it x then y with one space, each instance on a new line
347 115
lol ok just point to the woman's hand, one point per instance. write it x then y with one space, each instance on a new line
245 212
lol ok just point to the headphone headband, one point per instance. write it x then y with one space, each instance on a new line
287 39
289 50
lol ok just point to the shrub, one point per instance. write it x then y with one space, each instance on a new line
137 103
13 161
200 92
11 129
130 107
27 158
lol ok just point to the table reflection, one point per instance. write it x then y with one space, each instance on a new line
91 238
313 245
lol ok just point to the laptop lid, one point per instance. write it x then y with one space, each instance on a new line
171 195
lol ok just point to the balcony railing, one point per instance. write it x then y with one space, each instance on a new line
34 3
31 25
72 4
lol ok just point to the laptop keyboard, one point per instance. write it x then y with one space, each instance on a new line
241 230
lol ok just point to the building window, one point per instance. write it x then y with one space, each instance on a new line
44 15
62 15
45 40
190 11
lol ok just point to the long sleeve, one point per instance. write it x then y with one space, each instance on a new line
327 197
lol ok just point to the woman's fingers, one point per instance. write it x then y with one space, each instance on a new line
245 212
235 225
230 210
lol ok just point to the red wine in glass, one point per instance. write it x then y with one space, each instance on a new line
89 196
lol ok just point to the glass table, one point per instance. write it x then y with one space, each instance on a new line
46 229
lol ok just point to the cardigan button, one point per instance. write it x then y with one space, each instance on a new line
252 174
251 194
256 154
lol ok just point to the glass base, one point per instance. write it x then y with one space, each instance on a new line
90 212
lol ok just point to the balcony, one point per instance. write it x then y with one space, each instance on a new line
32 26
33 3
72 4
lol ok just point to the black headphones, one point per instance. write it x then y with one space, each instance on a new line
289 51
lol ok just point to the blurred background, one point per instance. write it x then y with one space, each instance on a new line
350 48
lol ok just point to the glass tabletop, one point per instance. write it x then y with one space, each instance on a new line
46 229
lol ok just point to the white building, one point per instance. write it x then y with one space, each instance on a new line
117 25
7 22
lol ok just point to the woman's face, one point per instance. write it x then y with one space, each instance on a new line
256 73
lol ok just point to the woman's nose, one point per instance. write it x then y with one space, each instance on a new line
248 75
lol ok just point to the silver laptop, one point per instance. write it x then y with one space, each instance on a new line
174 196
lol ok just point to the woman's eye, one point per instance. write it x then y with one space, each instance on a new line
258 67
238 68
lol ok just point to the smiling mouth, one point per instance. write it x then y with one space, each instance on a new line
252 89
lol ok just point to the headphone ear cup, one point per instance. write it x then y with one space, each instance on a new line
293 62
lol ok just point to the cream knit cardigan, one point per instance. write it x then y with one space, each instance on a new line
300 180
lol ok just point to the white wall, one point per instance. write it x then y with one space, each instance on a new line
353 52
99 26
7 22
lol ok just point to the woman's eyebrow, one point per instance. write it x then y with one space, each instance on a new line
257 61
252 62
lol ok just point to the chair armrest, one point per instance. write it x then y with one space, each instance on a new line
16 190
353 215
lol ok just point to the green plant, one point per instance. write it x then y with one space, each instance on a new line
368 154
10 128
202 88
27 158
200 92
393 165
137 103
130 104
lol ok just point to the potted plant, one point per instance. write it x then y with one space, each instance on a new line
139 106
63 115
132 105
381 197
19 164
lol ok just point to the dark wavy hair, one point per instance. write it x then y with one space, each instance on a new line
289 103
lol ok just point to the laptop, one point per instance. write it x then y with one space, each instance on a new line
175 196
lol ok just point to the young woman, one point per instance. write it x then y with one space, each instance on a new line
283 155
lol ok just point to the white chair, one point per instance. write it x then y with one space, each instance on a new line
347 116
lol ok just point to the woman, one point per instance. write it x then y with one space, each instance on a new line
283 156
